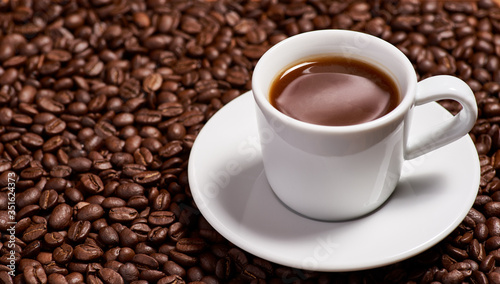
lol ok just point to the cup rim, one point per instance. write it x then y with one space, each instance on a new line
408 95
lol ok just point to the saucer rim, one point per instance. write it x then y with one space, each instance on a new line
240 242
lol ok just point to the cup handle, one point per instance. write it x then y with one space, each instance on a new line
439 88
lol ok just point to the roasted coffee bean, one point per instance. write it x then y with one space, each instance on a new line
60 217
138 202
223 269
152 82
128 190
34 232
53 239
86 252
143 156
128 238
129 272
32 173
190 245
147 177
32 140
122 214
170 149
60 171
55 126
73 194
161 218
111 202
109 276
493 225
80 164
176 131
48 199
182 258
90 212
173 268
145 262
130 89
27 197
35 274
481 232
492 208
162 201
171 109
63 254
91 183
133 169
79 231
157 235
492 243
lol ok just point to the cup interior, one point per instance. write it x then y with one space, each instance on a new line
354 45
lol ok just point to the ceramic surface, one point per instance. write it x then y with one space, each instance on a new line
344 172
230 189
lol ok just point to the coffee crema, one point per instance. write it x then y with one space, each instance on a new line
334 91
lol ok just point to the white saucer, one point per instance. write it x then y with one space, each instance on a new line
231 191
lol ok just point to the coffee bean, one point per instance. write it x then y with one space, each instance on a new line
32 173
152 82
161 218
104 129
63 254
90 212
481 232
492 208
129 272
35 274
123 119
27 197
80 164
91 183
170 149
52 144
143 156
122 214
133 169
79 231
157 235
493 226
190 245
183 259
55 126
477 250
173 268
171 109
60 171
109 276
86 252
53 239
147 177
144 262
34 232
73 194
128 190
456 252
32 140
60 217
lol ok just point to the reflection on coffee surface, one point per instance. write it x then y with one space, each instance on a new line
334 91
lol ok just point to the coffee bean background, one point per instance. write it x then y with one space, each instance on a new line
101 101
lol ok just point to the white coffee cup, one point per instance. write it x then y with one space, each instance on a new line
338 173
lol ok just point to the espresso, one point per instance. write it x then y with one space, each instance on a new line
334 91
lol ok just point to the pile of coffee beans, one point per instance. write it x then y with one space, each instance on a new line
101 101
